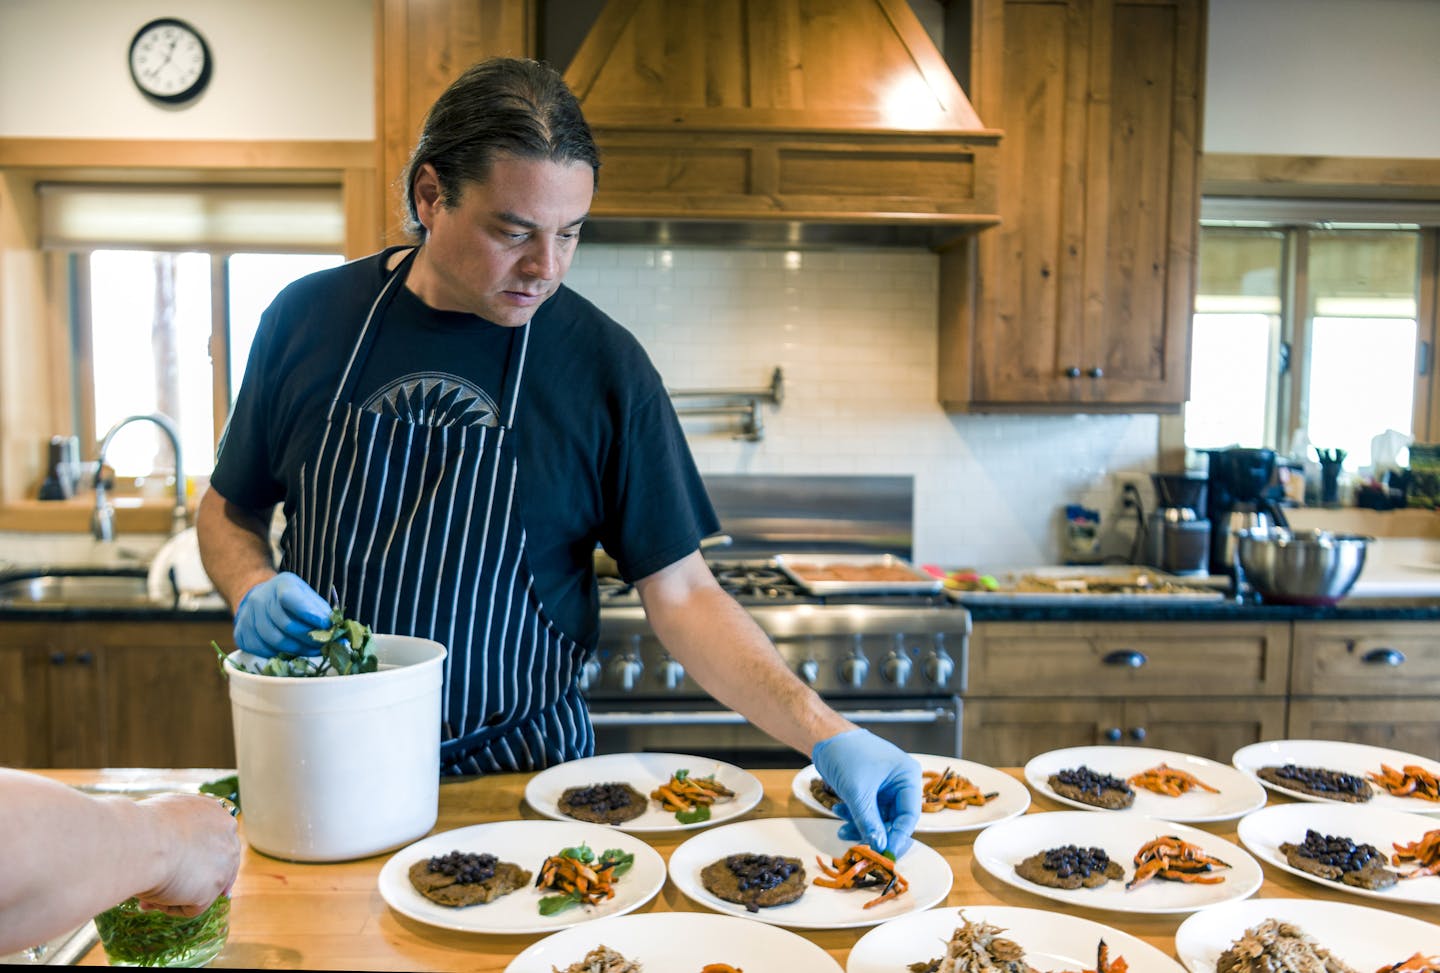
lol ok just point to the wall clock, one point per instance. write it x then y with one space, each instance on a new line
169 61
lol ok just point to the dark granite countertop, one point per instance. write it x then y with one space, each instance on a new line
1158 609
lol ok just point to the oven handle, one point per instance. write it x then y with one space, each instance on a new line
938 714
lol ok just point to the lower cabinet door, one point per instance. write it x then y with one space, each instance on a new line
1213 728
1410 724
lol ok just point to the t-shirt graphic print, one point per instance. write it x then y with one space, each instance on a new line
434 399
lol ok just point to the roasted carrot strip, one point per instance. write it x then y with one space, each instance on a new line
1167 780
1410 781
862 867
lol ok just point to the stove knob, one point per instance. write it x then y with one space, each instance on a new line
896 668
628 669
809 671
854 669
938 667
672 674
589 674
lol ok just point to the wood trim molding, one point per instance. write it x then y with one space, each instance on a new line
103 154
1224 174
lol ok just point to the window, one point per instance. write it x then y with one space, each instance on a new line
158 331
1308 330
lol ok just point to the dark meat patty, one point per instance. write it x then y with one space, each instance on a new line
1338 859
1092 787
613 803
821 792
755 881
1318 782
1069 867
462 878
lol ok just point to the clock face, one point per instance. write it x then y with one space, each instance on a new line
169 60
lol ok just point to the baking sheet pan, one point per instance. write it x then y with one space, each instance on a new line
793 564
1077 582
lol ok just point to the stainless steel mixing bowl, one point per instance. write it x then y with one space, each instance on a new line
1313 567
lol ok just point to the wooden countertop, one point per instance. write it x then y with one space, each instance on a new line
288 915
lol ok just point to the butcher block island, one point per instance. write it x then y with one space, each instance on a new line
294 916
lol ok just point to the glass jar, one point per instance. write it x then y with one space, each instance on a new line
136 937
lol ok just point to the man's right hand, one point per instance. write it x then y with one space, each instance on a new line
278 615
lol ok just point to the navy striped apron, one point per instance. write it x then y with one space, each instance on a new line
416 528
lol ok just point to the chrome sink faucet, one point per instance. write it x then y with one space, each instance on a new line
102 522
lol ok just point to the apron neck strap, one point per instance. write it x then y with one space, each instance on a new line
370 328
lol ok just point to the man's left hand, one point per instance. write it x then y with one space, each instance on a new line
879 787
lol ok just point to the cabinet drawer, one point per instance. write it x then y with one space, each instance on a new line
1375 659
1128 659
1408 724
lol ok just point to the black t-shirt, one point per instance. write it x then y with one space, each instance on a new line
600 451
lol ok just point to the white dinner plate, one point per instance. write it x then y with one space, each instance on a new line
1351 758
1366 939
1000 848
644 772
1051 940
1011 800
679 941
1265 831
924 868
1239 794
527 844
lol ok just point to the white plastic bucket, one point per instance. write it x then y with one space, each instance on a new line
334 768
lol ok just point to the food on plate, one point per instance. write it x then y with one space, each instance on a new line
1415 964
601 959
823 793
613 803
945 790
976 946
853 572
968 579
463 878
1425 853
1411 780
720 968
579 878
1069 867
1318 782
690 797
862 867
1092 787
1104 964
1167 780
1174 860
1278 947
1129 583
1338 859
755 881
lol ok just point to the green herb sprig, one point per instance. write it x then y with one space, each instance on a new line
621 860
225 788
139 937
344 648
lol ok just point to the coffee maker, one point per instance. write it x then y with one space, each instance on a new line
1243 493
1177 534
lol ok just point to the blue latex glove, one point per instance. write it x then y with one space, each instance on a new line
278 615
879 787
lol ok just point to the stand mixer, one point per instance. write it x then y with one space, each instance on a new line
1241 496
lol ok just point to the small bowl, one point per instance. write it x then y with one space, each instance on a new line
135 937
1314 567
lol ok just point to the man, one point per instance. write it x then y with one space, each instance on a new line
451 432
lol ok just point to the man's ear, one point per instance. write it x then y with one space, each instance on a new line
427 192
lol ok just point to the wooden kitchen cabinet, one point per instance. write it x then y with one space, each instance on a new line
1081 299
113 694
1367 682
1201 688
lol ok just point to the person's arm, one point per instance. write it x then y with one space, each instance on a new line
274 612
731 657
69 856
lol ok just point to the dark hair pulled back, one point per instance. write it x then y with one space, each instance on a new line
514 106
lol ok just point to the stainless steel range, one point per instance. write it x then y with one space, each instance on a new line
893 663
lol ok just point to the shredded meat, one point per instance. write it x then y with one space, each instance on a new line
601 959
976 947
1278 947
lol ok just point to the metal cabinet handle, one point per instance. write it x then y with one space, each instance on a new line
1137 733
1126 657
1072 372
1113 734
84 658
1096 372
57 658
724 717
1383 657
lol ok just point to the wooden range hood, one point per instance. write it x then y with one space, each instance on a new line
779 122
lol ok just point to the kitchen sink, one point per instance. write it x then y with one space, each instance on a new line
78 589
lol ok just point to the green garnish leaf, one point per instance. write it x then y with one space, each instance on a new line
622 861
136 937
581 853
344 647
552 904
889 854
682 774
698 813
225 788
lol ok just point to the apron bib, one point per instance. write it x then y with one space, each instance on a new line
417 530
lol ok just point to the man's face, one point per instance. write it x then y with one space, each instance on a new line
505 245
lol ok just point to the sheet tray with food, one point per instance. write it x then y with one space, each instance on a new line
856 574
1087 584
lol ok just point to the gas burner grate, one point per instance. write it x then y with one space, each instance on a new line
757 582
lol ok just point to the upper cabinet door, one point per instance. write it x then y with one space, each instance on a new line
1082 296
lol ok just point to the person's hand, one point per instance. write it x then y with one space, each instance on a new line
879 788
202 851
278 615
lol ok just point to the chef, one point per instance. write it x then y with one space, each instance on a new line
451 431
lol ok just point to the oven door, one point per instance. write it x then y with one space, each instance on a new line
704 728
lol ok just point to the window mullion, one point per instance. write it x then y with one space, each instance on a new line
219 342
1427 332
1295 328
84 370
